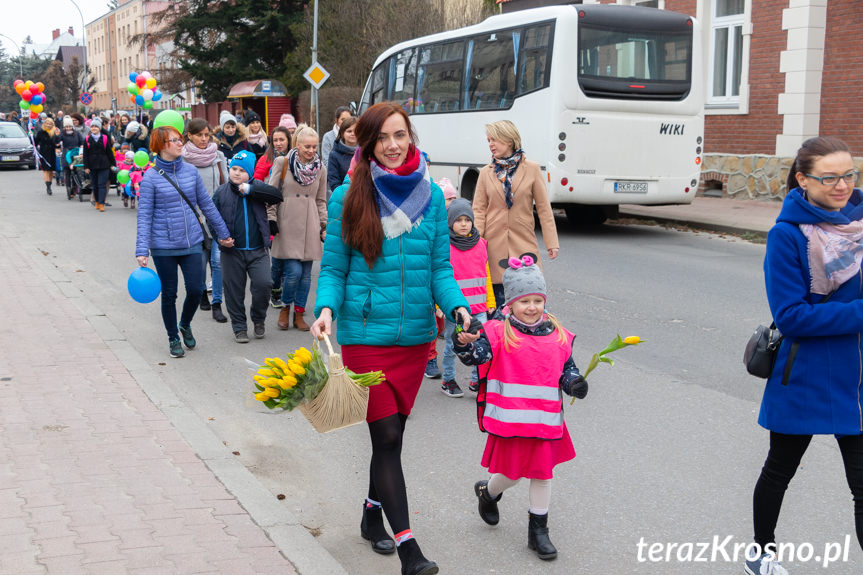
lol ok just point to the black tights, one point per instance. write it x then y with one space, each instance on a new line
784 457
386 479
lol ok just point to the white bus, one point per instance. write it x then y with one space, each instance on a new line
608 100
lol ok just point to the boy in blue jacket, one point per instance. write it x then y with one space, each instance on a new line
242 202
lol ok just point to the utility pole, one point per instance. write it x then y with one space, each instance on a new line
314 103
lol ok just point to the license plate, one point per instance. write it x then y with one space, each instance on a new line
630 187
11 158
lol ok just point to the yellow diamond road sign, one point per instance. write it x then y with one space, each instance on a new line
316 75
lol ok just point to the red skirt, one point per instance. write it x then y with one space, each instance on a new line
403 369
518 457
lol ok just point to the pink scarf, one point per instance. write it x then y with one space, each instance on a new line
259 139
835 253
198 157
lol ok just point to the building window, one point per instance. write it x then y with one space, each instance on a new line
726 49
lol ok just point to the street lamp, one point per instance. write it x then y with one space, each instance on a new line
20 65
84 40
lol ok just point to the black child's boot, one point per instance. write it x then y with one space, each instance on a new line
372 530
413 562
537 537
487 504
48 188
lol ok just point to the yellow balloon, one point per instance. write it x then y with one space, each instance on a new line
28 83
37 108
151 83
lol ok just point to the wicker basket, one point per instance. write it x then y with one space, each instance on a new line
341 402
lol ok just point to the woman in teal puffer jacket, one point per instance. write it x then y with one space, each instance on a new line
385 266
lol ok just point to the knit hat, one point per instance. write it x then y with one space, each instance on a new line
252 116
43 115
448 190
245 160
129 156
225 117
96 122
459 207
522 277
287 121
133 127
67 122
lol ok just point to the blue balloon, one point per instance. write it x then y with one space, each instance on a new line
144 285
36 100
132 76
157 95
139 99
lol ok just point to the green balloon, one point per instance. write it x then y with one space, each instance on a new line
149 105
142 158
123 177
170 118
23 105
132 88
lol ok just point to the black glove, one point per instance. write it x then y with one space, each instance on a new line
475 326
577 386
274 227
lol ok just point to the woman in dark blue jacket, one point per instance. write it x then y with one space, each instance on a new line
814 286
169 230
343 150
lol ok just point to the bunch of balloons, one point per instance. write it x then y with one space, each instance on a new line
142 90
32 96
132 168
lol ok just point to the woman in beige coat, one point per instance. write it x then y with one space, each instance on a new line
506 192
298 224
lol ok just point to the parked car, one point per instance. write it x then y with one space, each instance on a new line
15 147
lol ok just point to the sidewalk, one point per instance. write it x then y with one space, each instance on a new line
717 214
94 477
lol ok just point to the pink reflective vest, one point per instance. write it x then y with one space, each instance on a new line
469 268
521 396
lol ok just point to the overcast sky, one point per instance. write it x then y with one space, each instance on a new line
19 22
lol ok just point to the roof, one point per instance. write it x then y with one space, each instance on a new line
257 88
68 53
64 39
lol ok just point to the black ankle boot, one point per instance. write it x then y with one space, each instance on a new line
205 302
487 504
537 537
48 188
372 529
217 313
413 562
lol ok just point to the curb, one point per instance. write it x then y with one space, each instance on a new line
705 226
291 538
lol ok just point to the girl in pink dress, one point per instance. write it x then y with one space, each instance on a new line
525 360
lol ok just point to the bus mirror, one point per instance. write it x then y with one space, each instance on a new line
353 106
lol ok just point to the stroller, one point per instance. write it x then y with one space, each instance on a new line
77 180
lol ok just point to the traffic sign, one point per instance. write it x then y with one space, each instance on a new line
316 75
86 99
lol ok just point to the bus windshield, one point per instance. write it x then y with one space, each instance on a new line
634 64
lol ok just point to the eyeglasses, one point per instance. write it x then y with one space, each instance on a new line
850 178
175 140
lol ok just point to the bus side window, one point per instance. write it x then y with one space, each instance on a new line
441 68
492 70
402 79
533 60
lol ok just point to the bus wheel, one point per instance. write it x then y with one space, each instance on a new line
468 184
579 214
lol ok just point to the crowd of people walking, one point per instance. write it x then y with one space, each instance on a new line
403 260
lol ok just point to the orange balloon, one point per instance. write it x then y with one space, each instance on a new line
41 86
20 88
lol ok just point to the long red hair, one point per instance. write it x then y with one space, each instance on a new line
361 220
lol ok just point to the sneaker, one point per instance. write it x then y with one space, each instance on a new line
188 338
451 388
474 386
259 330
176 348
764 565
276 299
241 337
432 370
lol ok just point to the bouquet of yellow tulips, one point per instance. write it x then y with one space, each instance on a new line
329 399
617 343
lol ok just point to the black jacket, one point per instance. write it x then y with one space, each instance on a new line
99 153
232 208
338 164
47 145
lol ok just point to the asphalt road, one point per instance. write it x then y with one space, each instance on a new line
667 440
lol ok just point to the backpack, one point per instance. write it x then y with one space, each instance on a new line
104 142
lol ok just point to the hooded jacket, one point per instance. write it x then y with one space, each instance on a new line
823 393
246 216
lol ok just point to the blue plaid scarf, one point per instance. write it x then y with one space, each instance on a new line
402 200
504 168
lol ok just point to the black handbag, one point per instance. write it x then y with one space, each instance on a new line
208 238
761 350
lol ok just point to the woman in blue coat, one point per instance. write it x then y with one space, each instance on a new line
385 266
169 230
814 286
